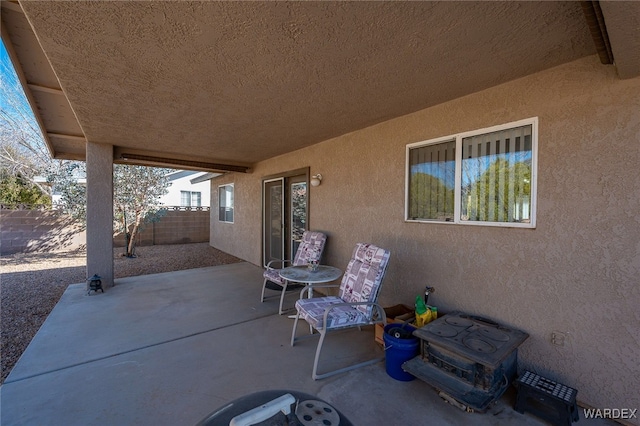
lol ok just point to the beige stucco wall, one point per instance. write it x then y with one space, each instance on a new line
577 273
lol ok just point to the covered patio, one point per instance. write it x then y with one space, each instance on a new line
286 91
170 348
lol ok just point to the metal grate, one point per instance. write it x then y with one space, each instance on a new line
546 399
548 386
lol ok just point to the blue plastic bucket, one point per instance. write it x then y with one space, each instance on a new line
398 350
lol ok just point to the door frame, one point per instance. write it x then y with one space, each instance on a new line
286 216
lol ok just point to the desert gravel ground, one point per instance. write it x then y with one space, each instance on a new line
31 284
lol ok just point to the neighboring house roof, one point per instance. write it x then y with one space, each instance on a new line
196 177
44 181
189 182
204 177
220 86
178 174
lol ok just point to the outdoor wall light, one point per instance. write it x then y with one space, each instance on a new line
316 179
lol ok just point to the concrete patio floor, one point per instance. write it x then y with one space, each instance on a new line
168 349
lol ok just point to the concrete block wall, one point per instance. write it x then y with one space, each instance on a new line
175 227
23 231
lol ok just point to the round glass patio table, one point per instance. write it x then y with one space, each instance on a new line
302 274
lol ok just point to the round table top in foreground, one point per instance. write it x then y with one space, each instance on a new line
224 414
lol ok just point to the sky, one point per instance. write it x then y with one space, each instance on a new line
11 88
13 101
7 75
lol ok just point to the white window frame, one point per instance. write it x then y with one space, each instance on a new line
197 202
533 122
189 197
185 198
232 203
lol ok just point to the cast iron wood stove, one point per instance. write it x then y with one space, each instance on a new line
470 359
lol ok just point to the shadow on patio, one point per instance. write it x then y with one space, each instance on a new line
170 348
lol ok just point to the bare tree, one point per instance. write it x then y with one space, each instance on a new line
24 155
23 152
137 191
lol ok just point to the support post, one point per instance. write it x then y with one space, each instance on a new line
100 212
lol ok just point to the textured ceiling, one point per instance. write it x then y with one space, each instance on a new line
240 82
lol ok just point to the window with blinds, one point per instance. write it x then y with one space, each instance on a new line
225 203
196 199
432 183
483 177
185 198
190 199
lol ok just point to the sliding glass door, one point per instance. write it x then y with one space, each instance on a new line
285 215
273 222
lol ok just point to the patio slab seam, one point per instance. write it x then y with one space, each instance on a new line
19 379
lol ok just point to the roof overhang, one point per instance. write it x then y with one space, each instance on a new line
220 86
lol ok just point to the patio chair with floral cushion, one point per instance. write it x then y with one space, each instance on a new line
355 306
310 249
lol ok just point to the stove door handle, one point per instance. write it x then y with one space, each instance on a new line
504 385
